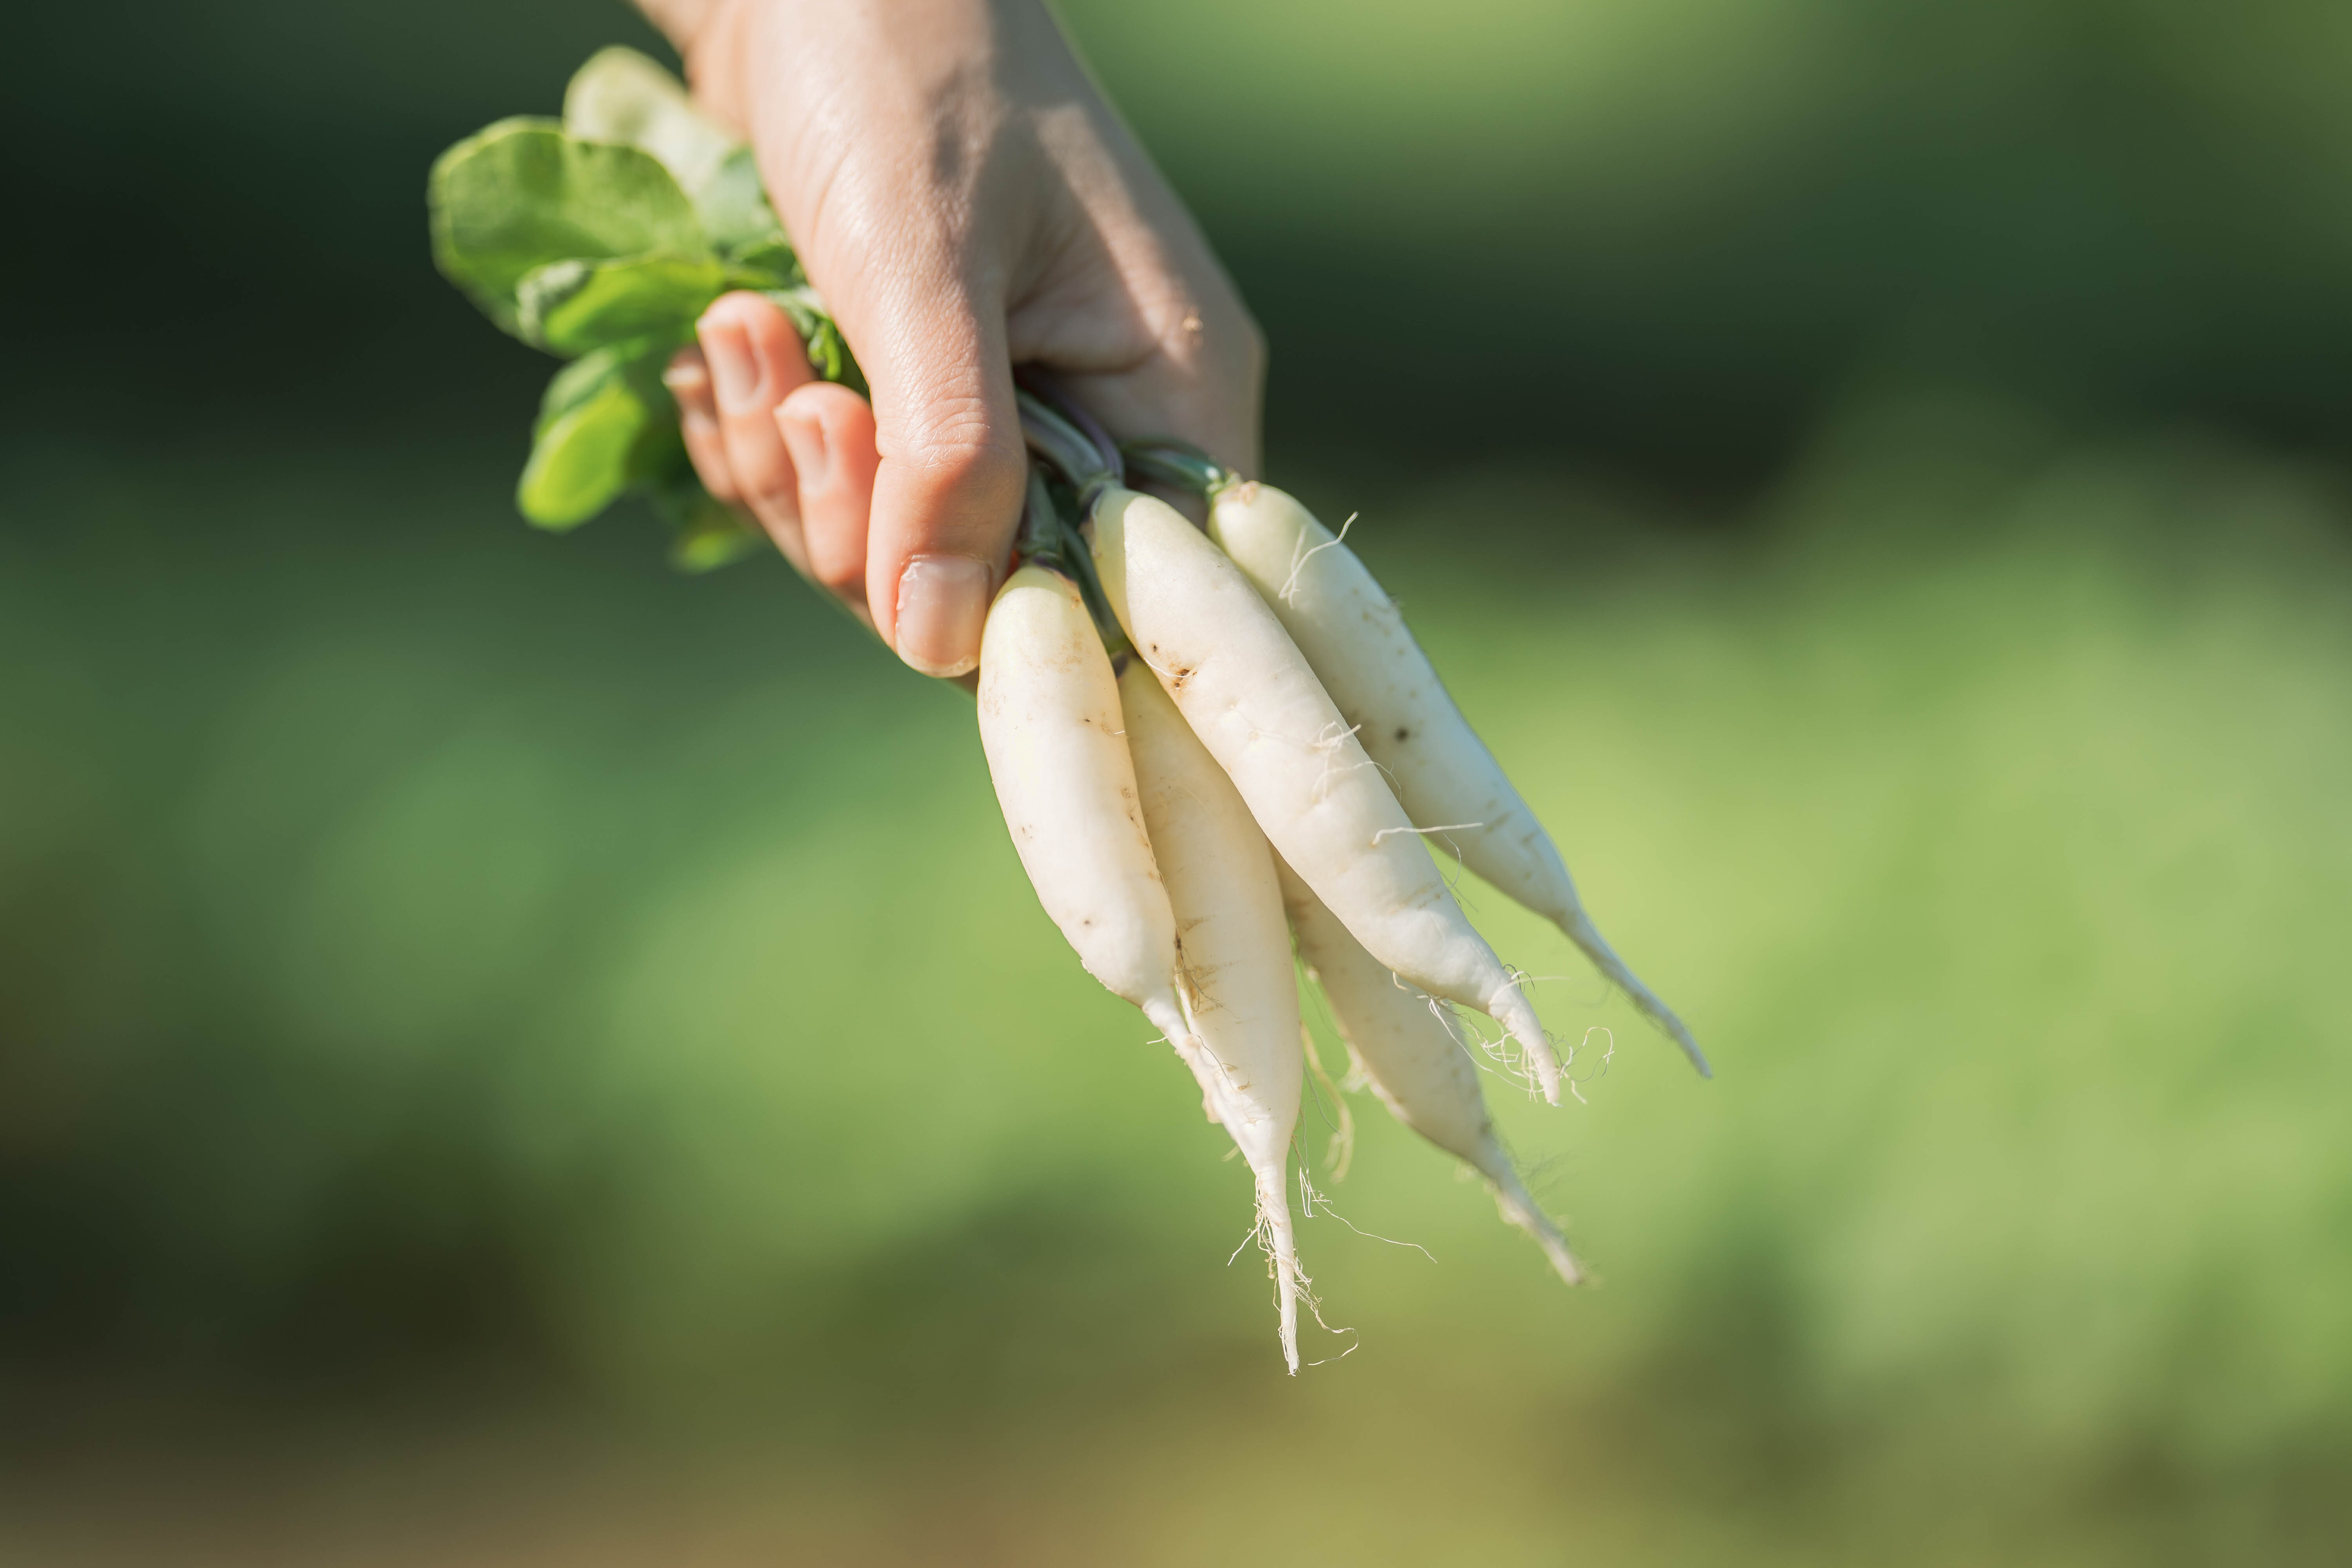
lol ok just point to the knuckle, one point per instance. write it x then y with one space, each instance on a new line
959 444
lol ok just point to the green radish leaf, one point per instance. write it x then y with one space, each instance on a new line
721 540
828 352
578 382
606 424
622 96
709 533
580 463
571 307
521 194
734 206
606 237
659 460
770 264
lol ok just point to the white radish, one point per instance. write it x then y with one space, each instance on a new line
1233 958
1401 1043
1246 691
1050 723
1353 636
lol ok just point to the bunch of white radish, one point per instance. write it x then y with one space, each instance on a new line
1208 746
1255 736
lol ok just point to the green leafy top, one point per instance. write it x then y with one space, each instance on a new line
602 237
522 196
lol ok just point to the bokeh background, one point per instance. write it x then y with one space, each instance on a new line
510 1056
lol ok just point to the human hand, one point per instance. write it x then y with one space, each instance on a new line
964 201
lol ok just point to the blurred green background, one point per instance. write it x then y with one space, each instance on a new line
507 1055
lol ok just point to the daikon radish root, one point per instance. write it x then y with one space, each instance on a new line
1233 958
1248 693
1354 636
1408 1051
1051 727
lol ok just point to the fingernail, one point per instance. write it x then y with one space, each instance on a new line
942 604
734 374
805 440
687 374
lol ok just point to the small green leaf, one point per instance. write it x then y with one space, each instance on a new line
572 307
520 195
828 350
579 465
722 543
734 206
769 265
578 382
709 534
621 95
659 460
593 426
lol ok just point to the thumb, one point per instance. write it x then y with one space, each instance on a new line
952 469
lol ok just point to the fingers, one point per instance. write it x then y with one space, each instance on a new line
766 436
753 360
689 380
910 521
829 432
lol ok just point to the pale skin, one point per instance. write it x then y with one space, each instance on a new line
965 201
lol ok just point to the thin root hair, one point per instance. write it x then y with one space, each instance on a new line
1454 882
1342 1150
1257 1232
1297 1285
1502 1056
1310 1198
1438 831
1599 998
1298 560
1606 1057
1313 1305
1328 745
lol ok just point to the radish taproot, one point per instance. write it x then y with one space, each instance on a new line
1232 960
1051 729
1354 635
1403 1044
1250 696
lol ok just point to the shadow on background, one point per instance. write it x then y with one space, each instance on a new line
507 1055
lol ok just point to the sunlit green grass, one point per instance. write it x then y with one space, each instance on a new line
491 940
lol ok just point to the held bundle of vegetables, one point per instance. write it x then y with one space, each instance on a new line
602 237
1208 747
